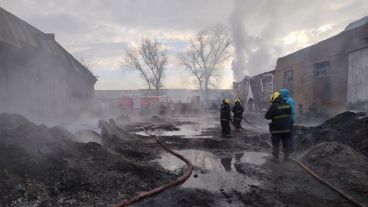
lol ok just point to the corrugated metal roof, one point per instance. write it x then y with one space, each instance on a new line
15 31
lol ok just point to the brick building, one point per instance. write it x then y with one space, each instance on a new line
330 76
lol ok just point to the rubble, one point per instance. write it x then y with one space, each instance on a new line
347 128
43 166
337 150
342 166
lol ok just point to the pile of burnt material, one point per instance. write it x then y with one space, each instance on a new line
342 166
41 166
337 150
347 128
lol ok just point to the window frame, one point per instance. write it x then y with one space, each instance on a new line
288 79
321 69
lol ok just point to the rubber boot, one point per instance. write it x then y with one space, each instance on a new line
275 159
286 158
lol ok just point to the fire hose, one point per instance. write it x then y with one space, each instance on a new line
184 177
160 189
250 123
320 179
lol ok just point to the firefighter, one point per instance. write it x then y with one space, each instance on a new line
225 117
238 110
285 95
279 112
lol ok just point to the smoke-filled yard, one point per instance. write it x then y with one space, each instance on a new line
196 103
44 166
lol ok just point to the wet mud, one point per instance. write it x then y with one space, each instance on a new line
237 171
43 166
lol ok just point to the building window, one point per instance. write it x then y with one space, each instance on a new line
320 69
288 76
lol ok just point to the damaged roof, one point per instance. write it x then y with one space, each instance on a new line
17 32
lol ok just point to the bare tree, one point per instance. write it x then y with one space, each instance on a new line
208 52
150 59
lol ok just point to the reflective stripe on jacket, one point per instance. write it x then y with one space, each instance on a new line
280 114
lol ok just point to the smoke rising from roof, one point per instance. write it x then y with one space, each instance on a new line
252 54
265 30
238 33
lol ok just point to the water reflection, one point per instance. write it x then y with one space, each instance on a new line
193 130
226 162
215 173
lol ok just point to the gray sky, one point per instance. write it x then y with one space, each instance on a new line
100 30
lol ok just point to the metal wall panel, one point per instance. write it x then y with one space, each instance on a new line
358 80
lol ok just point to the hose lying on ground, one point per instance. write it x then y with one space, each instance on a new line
250 123
313 174
157 190
184 177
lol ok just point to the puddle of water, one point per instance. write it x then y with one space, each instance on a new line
141 133
257 158
215 173
186 131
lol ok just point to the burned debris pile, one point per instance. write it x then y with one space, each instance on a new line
41 166
337 150
347 128
341 165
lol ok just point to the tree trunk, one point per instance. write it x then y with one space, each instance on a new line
206 92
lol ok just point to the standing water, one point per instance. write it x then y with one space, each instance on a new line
213 173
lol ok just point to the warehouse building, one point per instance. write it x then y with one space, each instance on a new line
38 77
330 76
254 92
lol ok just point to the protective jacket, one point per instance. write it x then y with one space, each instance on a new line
285 95
225 112
238 110
279 112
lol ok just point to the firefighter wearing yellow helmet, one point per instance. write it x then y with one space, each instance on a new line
238 110
279 113
225 117
274 96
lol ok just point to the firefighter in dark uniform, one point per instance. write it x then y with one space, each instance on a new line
280 114
238 110
225 117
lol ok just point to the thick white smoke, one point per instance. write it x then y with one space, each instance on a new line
253 55
238 32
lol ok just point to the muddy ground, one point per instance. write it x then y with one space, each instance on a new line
43 166
242 180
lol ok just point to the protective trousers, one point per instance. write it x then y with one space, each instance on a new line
237 122
225 125
276 139
290 138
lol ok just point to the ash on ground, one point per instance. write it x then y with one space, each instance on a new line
42 166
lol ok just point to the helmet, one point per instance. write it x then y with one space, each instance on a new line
274 96
227 101
237 101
